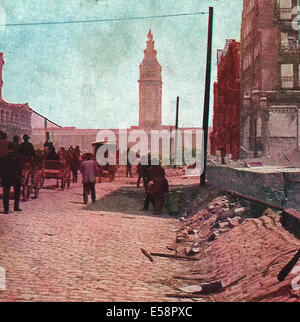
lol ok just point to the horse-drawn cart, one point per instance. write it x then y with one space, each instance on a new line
107 170
58 170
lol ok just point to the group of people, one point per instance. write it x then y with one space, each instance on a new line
14 155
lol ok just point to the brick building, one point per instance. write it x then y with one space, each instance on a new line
14 118
226 111
270 78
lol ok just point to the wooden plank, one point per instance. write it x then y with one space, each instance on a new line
174 256
147 255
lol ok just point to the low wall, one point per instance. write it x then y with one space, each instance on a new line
280 186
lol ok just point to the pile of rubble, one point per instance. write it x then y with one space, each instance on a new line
219 217
232 255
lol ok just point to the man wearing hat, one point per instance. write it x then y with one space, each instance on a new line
11 175
26 148
89 170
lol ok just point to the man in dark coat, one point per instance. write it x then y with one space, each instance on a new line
50 153
26 149
11 175
157 187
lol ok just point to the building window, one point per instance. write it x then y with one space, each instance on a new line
284 39
285 9
287 75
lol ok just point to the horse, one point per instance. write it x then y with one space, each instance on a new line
73 159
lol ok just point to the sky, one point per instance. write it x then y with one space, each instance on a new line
86 75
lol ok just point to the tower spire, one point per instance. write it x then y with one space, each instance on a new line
150 54
150 88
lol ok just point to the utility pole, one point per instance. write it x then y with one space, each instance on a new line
176 133
207 93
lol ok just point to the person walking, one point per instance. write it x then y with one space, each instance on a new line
11 175
89 170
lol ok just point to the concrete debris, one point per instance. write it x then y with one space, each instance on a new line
206 225
241 210
203 288
223 224
191 289
242 254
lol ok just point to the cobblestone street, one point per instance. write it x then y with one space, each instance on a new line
58 249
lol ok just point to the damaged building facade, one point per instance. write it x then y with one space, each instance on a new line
270 79
225 136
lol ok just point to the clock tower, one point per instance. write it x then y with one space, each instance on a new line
150 88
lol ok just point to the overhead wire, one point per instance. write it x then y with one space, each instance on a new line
101 20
